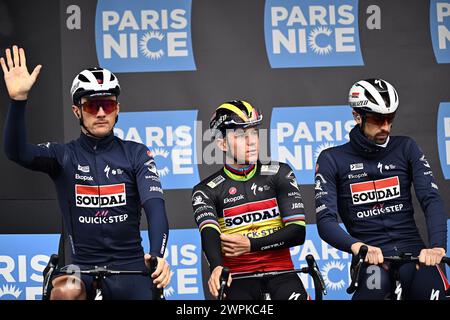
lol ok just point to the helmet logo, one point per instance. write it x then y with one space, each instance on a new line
379 83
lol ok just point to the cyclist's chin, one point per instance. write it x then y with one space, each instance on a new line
251 158
381 139
101 131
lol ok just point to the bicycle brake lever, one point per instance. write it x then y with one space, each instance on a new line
312 264
224 275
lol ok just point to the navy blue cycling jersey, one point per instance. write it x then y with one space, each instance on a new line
369 187
101 185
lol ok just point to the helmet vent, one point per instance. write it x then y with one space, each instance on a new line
82 78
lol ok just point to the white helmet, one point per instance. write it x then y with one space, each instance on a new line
94 82
373 95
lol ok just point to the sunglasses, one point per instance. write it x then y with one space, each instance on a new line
93 106
380 119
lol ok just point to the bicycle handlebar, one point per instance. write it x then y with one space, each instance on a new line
359 259
356 269
103 272
158 292
224 275
312 270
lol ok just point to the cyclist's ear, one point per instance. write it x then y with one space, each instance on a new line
222 144
76 111
356 116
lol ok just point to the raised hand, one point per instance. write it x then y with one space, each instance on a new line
17 78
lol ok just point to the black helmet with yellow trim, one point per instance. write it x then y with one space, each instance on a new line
235 114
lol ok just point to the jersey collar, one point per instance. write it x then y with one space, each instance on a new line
93 144
243 174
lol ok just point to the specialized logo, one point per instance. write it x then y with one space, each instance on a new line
170 136
252 212
440 29
385 167
114 172
106 171
144 36
443 137
300 134
312 33
255 188
375 191
100 196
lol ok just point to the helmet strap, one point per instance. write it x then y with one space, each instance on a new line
363 120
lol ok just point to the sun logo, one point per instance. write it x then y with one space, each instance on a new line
322 147
10 290
163 153
325 271
313 43
170 291
143 45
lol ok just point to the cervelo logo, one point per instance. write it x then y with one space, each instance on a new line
170 136
443 137
375 191
252 212
312 33
143 36
100 196
440 29
299 134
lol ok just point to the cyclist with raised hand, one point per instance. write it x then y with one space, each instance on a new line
249 214
367 182
102 182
